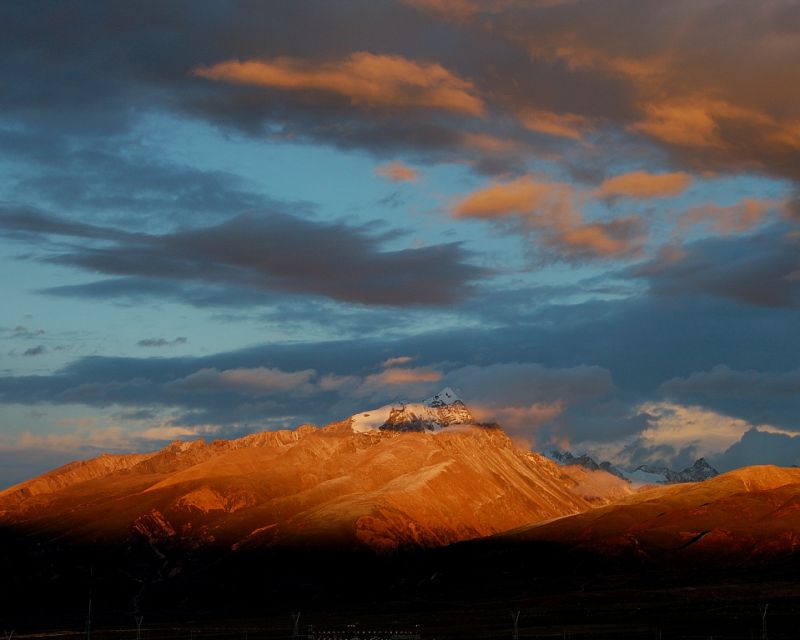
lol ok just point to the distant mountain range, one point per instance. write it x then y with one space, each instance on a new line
643 474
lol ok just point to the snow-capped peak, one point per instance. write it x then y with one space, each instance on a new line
643 474
444 397
439 411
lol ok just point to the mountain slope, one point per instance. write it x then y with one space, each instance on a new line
382 489
741 515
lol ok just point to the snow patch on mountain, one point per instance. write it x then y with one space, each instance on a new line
433 414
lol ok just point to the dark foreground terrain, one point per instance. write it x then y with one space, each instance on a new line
469 590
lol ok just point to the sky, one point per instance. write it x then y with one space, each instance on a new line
225 217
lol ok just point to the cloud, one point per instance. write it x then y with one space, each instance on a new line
38 350
692 80
271 251
453 9
736 218
644 185
26 454
677 434
493 146
759 396
522 196
397 172
722 380
80 440
367 80
553 211
755 269
256 381
524 420
395 375
23 332
618 238
680 427
392 384
161 342
565 125
508 366
717 126
758 446
396 361
524 397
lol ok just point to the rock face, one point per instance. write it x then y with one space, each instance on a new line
382 489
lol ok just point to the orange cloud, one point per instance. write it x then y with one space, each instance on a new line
564 125
721 97
703 123
397 172
643 185
693 122
519 197
366 79
568 48
491 144
552 209
742 216
621 237
405 376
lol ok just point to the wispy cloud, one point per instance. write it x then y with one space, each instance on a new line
396 171
644 185
366 79
256 381
270 251
162 342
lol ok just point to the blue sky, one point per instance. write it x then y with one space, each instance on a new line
219 218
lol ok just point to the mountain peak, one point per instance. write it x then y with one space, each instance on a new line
444 397
433 414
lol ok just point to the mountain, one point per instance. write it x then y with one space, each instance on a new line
643 474
418 514
418 478
584 460
697 472
435 413
743 515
